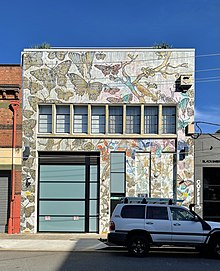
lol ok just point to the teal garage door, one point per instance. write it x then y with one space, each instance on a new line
69 197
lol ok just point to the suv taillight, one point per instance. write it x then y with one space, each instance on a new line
111 226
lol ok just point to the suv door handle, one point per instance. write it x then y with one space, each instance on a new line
149 223
176 224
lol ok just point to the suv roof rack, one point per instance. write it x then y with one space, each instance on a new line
145 200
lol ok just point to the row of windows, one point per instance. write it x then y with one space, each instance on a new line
115 119
155 212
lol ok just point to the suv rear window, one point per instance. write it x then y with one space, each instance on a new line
133 211
154 212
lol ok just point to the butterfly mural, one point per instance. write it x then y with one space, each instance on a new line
83 62
57 54
109 69
34 59
82 87
34 101
50 77
28 113
182 123
111 90
28 127
63 95
34 87
100 56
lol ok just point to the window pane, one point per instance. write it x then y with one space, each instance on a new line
98 119
117 172
169 119
117 162
62 119
133 211
157 213
117 183
80 119
133 114
115 119
45 119
181 214
151 120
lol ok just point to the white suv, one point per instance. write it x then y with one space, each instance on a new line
139 226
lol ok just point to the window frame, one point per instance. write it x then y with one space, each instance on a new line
100 125
51 115
121 193
116 122
166 128
66 123
82 123
128 131
150 120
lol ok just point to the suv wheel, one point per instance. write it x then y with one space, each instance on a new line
138 246
215 247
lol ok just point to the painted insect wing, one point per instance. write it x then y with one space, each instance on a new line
106 70
46 76
100 56
34 87
94 90
63 67
58 55
63 95
115 69
76 59
34 101
80 84
29 125
87 58
33 59
61 80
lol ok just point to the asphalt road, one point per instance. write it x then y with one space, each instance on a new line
105 261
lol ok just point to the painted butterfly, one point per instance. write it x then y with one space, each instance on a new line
63 95
34 87
82 61
100 56
82 87
52 76
57 54
111 91
109 69
32 59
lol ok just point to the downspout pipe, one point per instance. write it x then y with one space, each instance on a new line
14 105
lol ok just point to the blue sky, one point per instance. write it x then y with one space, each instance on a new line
139 23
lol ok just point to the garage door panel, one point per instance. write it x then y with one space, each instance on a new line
59 224
62 190
59 207
68 193
4 203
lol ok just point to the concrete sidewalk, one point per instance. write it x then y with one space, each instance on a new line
52 242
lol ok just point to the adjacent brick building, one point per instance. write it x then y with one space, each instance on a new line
10 147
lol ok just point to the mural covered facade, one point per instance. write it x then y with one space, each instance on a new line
139 77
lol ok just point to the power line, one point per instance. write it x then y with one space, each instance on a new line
208 55
206 70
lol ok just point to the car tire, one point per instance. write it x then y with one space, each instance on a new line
138 246
215 247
